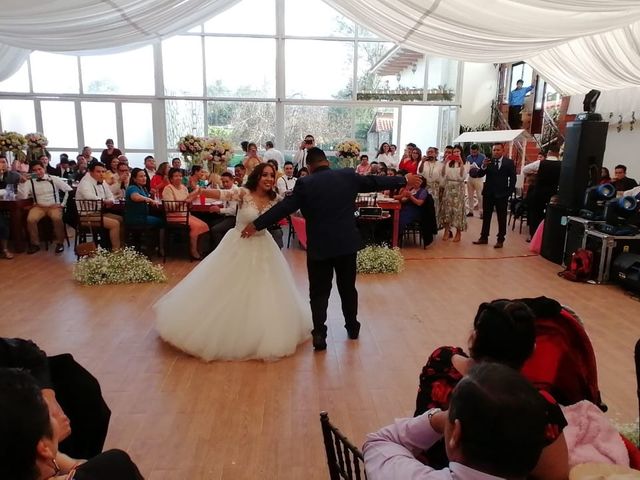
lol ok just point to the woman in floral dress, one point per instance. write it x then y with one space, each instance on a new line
452 207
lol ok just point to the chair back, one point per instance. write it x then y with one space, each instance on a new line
176 212
90 212
344 459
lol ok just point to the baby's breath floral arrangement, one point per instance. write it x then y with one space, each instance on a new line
13 142
217 153
348 151
379 259
122 266
629 431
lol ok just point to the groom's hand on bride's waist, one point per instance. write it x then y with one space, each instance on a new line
249 231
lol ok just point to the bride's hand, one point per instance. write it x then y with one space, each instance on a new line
249 231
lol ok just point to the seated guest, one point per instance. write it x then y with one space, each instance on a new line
391 172
87 154
160 179
411 200
109 153
621 181
4 239
123 159
605 176
286 182
240 177
195 178
177 163
363 167
29 436
81 167
375 169
44 160
220 226
93 187
303 172
176 191
71 392
64 170
120 181
504 332
45 191
112 171
7 177
494 429
138 199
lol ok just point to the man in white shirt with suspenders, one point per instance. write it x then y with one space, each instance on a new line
45 191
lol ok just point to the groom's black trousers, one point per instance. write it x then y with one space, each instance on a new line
320 280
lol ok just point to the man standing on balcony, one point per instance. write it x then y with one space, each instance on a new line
516 102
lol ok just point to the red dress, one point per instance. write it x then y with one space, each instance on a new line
408 166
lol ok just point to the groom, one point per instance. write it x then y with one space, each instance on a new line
327 201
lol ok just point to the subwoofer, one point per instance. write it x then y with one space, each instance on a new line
625 270
584 147
555 227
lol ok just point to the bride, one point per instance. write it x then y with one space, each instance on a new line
241 301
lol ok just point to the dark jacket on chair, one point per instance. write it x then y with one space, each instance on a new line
428 222
327 201
499 183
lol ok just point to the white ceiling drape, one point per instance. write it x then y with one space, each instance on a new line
576 44
93 26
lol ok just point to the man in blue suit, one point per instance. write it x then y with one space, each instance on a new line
327 201
498 187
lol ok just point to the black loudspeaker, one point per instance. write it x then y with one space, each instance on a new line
584 147
575 233
625 270
555 227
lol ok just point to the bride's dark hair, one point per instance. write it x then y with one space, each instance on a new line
254 178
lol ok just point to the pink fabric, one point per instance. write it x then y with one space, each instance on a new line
536 242
300 227
591 438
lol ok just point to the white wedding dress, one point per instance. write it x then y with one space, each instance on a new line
240 302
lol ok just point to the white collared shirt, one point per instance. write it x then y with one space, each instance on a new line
273 154
45 191
89 189
285 184
230 207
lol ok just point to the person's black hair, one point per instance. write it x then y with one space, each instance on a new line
502 421
607 173
273 162
244 145
504 332
364 155
459 147
520 81
241 167
195 169
374 162
256 174
622 167
175 158
303 169
24 420
288 162
93 165
35 163
412 145
315 156
449 146
541 152
309 135
226 174
172 171
149 157
393 145
474 146
497 144
3 155
162 167
251 144
402 172
268 144
381 149
134 174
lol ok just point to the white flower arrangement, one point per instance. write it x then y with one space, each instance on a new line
122 266
379 259
191 146
36 141
218 150
348 148
13 142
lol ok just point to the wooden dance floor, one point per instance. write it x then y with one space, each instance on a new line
181 418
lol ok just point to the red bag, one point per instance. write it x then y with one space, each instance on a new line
580 266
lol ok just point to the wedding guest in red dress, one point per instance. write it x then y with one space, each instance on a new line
160 179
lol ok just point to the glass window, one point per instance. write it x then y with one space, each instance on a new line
240 67
183 117
379 63
521 71
328 125
238 121
256 17
18 116
137 123
182 65
374 126
136 159
420 126
59 123
18 82
364 33
99 123
315 18
127 73
442 79
54 73
334 57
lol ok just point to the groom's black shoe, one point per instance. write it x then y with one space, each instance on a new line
354 331
319 342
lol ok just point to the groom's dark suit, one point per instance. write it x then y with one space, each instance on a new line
498 187
327 201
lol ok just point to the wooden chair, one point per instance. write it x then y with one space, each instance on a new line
413 231
176 215
368 222
344 459
90 221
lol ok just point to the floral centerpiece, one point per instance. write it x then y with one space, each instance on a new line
379 259
191 147
348 152
122 266
13 142
36 144
218 152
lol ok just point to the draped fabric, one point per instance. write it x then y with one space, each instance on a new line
94 26
575 44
